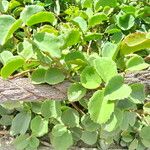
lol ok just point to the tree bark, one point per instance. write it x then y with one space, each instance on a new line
21 89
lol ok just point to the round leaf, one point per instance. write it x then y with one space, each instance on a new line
54 76
75 92
116 89
90 79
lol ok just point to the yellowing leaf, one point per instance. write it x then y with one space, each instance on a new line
134 42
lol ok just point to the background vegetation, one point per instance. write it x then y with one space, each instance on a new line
91 43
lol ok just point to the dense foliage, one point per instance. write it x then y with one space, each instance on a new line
91 43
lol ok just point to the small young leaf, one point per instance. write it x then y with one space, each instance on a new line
75 92
99 109
39 126
106 68
90 79
116 89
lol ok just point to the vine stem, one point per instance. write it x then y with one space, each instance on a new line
77 108
20 74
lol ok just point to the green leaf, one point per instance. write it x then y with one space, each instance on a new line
70 117
12 65
111 3
75 92
6 21
89 138
125 21
71 38
54 76
111 125
136 63
146 108
41 17
99 109
116 89
49 43
138 93
25 49
81 23
134 42
5 56
86 3
33 143
4 6
88 124
6 120
38 76
92 36
105 67
97 19
51 109
29 11
90 79
129 118
20 123
21 142
110 50
61 137
39 126
133 145
16 25
145 132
